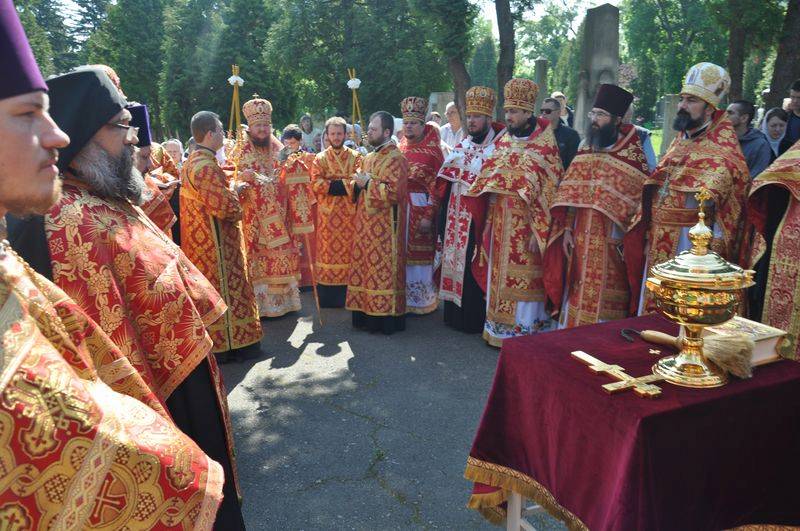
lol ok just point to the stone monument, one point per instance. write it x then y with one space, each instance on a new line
670 111
540 77
599 58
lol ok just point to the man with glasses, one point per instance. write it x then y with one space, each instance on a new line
127 275
705 155
593 216
567 138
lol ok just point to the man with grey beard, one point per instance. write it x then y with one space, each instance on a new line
127 275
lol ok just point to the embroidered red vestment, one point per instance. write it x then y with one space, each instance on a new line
211 237
598 198
130 278
425 158
273 259
377 282
156 205
781 309
295 178
335 214
75 454
461 168
522 175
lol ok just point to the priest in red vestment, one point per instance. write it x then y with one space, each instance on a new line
376 286
84 442
331 180
704 155
464 301
211 237
774 210
518 181
421 146
129 276
273 258
593 215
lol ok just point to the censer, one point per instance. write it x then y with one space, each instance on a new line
695 289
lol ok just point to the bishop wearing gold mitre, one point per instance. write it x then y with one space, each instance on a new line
705 155
421 146
593 216
331 174
519 181
273 258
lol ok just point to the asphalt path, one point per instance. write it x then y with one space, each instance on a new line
343 429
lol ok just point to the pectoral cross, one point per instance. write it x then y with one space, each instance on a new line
642 386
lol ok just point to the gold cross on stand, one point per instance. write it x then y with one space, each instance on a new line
642 386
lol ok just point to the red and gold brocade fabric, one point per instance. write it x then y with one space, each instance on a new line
521 175
335 213
162 166
377 280
74 453
460 168
783 281
156 205
712 161
303 209
211 237
134 282
601 189
425 158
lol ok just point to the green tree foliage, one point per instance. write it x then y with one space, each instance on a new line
565 75
192 30
50 18
386 41
37 36
482 66
132 48
89 17
546 35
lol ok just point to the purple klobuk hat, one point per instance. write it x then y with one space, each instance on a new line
140 118
17 65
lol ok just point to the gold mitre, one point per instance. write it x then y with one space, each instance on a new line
414 108
481 100
520 93
257 111
707 81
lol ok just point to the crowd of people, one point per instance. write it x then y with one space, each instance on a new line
131 268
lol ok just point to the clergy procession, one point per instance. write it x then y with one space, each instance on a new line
138 276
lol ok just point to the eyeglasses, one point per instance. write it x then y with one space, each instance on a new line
545 111
131 132
598 114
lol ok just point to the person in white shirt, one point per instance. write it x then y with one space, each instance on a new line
451 132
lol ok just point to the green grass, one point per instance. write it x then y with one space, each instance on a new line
656 138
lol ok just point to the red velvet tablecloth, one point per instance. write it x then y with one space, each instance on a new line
692 459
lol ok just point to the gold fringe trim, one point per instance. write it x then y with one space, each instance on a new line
509 480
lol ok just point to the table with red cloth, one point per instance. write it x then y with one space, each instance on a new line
690 459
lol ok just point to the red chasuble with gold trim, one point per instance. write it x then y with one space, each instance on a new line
273 259
75 454
377 283
522 176
156 205
425 158
335 213
781 308
131 279
211 237
295 178
598 198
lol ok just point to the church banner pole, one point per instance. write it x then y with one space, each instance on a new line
313 277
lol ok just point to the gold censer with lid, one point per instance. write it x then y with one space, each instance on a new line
695 289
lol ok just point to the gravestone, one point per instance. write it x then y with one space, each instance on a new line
670 111
540 77
599 58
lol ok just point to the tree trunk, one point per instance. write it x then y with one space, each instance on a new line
461 82
505 62
736 51
787 67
